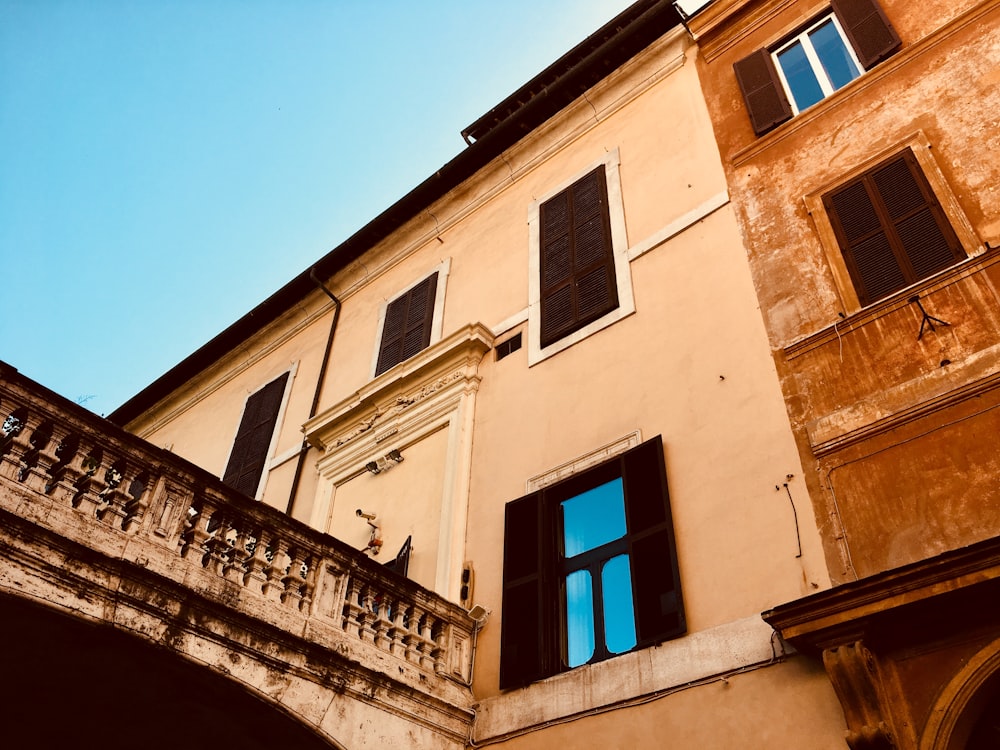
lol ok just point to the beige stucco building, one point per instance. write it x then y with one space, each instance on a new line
562 311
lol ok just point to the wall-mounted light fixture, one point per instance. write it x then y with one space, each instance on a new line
387 461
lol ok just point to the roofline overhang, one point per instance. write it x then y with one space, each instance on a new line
621 39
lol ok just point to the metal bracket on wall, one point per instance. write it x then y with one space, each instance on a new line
928 319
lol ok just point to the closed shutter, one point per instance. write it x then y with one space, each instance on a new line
762 91
530 614
577 262
407 327
869 31
656 591
246 462
891 228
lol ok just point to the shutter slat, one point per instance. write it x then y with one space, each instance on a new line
659 610
912 239
407 327
869 31
925 243
525 618
253 438
762 91
575 245
898 189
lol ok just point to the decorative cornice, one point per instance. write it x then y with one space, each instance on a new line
843 614
453 359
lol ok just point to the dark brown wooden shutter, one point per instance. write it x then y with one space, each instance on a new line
249 454
869 31
577 262
656 590
527 639
407 327
762 91
891 228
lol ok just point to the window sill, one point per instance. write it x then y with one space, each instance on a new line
632 677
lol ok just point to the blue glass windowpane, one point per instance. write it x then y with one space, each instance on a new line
801 79
832 52
579 618
593 518
619 614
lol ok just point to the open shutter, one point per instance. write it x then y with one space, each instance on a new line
891 228
762 91
869 31
656 591
249 454
401 562
578 282
407 327
529 614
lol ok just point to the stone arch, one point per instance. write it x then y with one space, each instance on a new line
71 682
964 703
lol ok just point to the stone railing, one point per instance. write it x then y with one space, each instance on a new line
74 474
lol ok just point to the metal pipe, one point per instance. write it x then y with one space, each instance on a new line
320 380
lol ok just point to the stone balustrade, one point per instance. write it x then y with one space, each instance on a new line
73 473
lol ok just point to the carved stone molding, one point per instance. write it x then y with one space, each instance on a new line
853 671
440 366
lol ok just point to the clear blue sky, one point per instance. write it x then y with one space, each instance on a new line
165 165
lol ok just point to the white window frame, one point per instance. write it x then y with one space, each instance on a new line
815 63
437 322
619 248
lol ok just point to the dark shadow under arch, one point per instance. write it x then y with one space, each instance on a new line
67 683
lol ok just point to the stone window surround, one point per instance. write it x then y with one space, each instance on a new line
920 145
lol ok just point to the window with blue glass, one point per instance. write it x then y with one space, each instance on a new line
794 73
816 63
590 568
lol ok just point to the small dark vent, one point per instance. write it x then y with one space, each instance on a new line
509 346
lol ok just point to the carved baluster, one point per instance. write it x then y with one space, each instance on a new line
74 453
256 566
36 462
273 587
238 555
309 585
352 608
292 580
195 537
438 649
412 637
15 441
382 623
138 491
218 544
115 497
366 618
427 645
50 458
91 484
397 631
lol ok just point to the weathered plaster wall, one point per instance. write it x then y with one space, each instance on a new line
871 403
